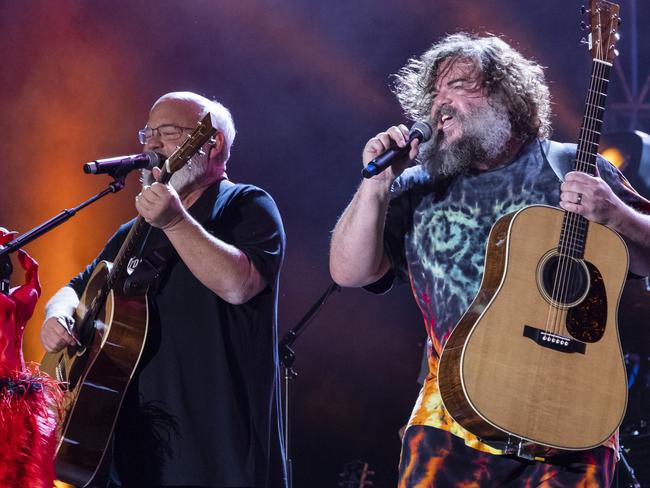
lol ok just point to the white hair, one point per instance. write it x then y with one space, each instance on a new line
224 121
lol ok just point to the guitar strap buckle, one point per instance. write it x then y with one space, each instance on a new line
147 271
515 446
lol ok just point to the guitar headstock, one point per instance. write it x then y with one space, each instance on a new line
202 134
604 20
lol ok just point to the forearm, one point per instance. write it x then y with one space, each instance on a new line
221 267
634 227
57 331
63 303
357 255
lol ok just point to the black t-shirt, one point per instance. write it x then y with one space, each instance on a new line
203 407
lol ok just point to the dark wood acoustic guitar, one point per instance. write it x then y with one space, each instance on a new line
112 329
536 359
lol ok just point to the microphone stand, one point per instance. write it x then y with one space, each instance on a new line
288 356
633 482
6 267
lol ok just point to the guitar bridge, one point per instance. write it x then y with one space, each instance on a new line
554 341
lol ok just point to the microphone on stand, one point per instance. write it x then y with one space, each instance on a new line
122 165
420 130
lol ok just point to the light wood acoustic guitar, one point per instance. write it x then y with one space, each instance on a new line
112 329
536 360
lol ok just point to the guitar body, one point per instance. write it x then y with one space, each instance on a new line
528 363
97 379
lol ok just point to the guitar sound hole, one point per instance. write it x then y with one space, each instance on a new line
565 279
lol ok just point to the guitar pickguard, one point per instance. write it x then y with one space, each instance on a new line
586 321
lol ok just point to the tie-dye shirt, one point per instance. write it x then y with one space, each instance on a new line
435 237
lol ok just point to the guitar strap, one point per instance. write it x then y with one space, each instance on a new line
146 268
560 157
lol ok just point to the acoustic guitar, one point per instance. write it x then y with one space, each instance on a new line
112 329
536 363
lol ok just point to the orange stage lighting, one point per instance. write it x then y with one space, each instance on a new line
615 156
629 152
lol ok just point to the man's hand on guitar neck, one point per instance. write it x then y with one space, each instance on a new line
159 204
592 198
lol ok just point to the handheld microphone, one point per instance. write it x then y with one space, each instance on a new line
420 130
122 165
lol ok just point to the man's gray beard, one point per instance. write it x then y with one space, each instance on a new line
485 134
194 171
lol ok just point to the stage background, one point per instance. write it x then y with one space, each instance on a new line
307 83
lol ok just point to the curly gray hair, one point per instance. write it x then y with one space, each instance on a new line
507 76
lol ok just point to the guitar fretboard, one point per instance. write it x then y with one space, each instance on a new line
574 227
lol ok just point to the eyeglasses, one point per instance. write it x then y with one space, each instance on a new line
167 133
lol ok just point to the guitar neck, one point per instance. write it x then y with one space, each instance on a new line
592 121
133 240
574 227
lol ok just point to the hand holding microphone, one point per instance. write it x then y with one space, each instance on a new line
420 131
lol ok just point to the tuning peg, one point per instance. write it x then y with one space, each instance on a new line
616 52
584 41
583 25
584 10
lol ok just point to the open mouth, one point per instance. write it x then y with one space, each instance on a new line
446 121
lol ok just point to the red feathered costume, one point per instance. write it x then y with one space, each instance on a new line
28 400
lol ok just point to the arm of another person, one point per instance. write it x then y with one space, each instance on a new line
357 256
599 203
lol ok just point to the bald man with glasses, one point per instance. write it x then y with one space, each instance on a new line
203 409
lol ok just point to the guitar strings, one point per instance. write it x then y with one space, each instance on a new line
587 160
575 225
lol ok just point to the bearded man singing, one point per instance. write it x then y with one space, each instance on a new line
428 225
